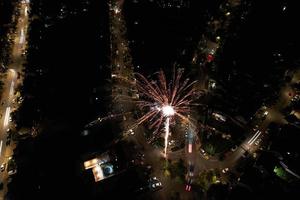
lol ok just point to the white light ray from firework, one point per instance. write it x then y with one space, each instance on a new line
167 126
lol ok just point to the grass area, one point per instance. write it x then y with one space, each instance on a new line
216 144
207 178
175 170
281 173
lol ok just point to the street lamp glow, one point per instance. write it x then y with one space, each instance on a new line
12 71
168 110
117 10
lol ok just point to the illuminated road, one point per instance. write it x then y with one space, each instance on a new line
12 80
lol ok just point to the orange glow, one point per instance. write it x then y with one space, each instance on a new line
90 163
98 173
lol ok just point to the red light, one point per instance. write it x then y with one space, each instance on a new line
188 188
210 57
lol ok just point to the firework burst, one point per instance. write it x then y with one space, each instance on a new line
163 101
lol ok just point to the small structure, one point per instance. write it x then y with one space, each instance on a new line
102 166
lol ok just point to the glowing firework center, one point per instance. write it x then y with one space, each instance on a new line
168 110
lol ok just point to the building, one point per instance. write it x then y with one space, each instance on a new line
173 3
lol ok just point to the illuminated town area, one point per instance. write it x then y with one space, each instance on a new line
149 99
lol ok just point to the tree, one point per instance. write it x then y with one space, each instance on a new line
1 85
178 170
210 149
206 178
202 181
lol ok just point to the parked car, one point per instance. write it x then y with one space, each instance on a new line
12 172
191 170
225 170
155 184
188 185
257 141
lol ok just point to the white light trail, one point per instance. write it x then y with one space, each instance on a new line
25 11
167 126
253 137
258 133
11 89
6 117
22 37
1 143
